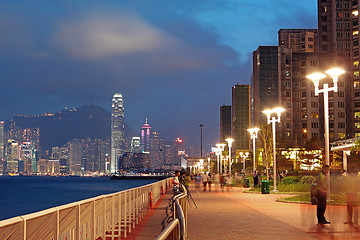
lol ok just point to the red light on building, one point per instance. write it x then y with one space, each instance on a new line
179 140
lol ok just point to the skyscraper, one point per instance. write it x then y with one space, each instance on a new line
117 131
2 141
75 157
241 116
225 123
157 150
146 138
338 23
136 145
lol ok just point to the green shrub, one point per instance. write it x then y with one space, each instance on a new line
290 180
308 179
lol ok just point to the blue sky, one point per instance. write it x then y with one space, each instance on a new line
174 61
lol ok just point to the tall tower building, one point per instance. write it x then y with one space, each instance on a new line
2 141
241 116
272 87
225 123
136 145
338 23
117 131
146 138
157 150
75 157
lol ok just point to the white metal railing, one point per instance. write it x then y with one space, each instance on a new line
177 228
104 217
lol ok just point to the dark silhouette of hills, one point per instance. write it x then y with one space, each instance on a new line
87 121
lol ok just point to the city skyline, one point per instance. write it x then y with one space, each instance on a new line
192 56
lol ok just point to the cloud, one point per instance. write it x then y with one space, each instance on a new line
101 35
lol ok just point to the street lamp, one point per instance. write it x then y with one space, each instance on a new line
274 120
244 156
316 77
229 141
221 147
253 134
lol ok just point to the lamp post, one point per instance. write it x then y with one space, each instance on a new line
253 134
221 149
208 164
244 156
316 77
201 126
229 141
274 120
217 152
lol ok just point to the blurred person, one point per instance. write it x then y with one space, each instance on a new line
351 182
204 179
217 181
209 181
228 182
176 181
256 179
197 181
222 182
321 195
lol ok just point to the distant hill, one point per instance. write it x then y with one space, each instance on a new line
87 121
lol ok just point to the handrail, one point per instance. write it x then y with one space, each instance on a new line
107 216
178 214
169 230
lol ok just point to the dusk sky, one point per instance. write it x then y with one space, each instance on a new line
174 61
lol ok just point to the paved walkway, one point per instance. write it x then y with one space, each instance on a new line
238 215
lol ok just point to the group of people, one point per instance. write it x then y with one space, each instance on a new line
206 180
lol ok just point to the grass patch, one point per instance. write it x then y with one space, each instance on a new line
336 199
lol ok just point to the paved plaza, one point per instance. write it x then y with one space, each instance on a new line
237 215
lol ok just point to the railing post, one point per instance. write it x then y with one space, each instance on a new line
112 217
77 235
104 217
119 216
57 222
125 215
93 223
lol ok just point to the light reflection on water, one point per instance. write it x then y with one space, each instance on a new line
24 195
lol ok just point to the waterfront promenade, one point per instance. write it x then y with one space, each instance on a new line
237 215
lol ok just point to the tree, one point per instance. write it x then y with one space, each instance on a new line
265 137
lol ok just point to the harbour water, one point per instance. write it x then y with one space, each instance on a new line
20 195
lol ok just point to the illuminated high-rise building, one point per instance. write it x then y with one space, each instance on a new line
241 116
75 157
146 138
12 156
117 131
2 143
136 145
157 150
225 123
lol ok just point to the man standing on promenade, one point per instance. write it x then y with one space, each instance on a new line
321 195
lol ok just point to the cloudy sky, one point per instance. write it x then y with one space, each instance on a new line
174 61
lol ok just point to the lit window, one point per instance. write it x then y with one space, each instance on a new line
356 84
356 63
355 33
357 125
341 135
355 13
357 114
356 74
357 134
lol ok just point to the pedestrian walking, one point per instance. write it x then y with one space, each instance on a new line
352 199
204 179
209 181
321 195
